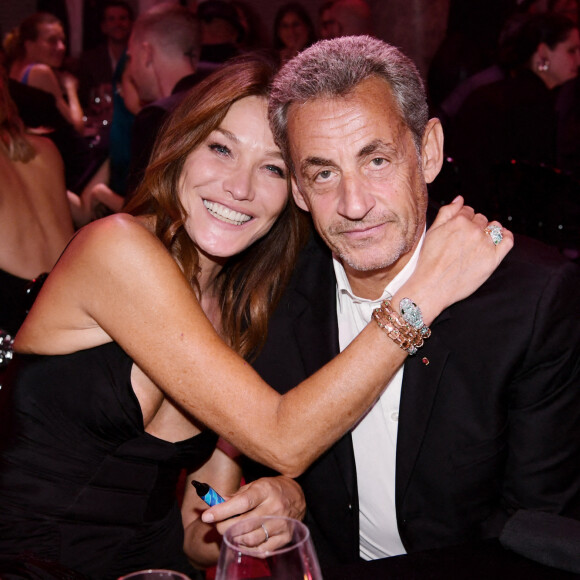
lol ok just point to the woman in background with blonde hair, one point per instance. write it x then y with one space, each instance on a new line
35 52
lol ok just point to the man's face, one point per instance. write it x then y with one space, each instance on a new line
329 26
116 23
140 70
359 175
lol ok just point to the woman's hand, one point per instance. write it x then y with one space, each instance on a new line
68 81
457 257
268 496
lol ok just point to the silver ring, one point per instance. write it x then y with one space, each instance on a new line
267 534
494 232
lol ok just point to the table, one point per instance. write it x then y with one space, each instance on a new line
486 560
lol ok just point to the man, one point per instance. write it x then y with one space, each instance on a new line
345 18
98 65
221 31
485 419
163 64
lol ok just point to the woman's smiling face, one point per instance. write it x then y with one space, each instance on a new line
234 185
49 47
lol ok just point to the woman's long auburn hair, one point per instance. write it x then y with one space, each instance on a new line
251 283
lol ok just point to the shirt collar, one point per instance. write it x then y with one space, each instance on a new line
344 290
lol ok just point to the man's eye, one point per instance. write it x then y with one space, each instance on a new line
277 170
378 161
323 175
221 149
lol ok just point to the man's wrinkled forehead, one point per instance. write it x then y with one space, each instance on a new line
297 123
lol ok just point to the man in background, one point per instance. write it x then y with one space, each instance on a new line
163 53
98 65
345 18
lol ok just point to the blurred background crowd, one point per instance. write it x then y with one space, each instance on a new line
500 74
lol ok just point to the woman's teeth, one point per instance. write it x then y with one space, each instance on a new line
225 214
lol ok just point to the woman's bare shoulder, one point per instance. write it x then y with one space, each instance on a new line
109 264
46 152
120 227
42 77
40 71
120 242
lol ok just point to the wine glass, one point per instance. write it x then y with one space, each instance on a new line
155 575
272 547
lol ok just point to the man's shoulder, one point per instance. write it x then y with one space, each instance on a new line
531 276
535 258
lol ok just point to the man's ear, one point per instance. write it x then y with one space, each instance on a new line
147 52
543 51
432 150
298 197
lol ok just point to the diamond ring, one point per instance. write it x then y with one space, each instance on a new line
494 232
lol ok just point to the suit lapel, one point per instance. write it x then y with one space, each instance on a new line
315 329
421 379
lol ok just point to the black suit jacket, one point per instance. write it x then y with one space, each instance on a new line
489 417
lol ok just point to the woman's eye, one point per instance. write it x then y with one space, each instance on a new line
221 149
277 170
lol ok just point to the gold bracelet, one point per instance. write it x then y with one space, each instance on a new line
397 328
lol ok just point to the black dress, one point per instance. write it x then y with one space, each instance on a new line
13 302
81 482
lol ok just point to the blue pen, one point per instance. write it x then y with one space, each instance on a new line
209 495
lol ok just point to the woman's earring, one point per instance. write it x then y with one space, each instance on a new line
543 65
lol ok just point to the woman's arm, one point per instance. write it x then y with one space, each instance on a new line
121 284
43 77
70 85
273 496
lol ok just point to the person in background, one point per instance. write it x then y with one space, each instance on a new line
346 18
293 30
106 191
485 420
256 36
221 31
138 345
35 219
163 53
97 66
515 118
35 51
325 22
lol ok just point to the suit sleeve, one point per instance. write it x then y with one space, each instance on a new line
543 463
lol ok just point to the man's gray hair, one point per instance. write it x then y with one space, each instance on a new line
334 68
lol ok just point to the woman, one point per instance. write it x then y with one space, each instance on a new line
36 51
35 220
514 119
128 340
293 31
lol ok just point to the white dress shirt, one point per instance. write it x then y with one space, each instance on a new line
375 436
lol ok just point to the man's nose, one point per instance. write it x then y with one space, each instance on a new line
355 201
